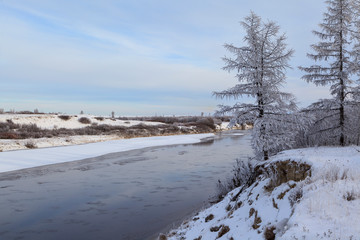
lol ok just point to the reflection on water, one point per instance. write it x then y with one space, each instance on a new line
129 195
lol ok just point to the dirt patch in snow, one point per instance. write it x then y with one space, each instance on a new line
285 171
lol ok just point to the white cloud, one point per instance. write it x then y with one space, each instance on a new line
129 44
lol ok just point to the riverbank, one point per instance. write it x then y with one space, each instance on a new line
15 160
298 194
28 131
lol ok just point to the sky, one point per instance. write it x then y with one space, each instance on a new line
136 58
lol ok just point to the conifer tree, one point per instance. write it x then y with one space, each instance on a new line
335 57
260 67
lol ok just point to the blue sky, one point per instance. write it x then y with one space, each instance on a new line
144 57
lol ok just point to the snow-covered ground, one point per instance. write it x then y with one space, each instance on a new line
15 160
20 144
325 205
52 121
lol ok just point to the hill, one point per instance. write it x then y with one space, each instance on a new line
298 194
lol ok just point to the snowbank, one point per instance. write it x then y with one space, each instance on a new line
299 194
21 144
15 160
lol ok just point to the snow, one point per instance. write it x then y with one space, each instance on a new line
52 121
15 160
223 126
329 207
324 212
20 144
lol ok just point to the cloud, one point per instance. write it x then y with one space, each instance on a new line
151 52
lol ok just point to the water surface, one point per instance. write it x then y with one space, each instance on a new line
128 195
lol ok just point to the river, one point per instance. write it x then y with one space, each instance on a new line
130 195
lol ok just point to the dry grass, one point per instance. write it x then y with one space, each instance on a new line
223 231
257 221
349 196
209 218
296 196
215 228
10 130
275 204
269 233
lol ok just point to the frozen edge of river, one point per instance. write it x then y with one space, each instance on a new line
16 160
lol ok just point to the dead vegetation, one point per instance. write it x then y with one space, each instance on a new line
257 221
269 233
223 231
349 196
285 171
84 120
30 145
296 196
244 175
64 117
275 204
10 130
209 218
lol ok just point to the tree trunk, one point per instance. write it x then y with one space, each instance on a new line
342 86
342 121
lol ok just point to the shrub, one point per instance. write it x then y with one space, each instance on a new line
99 118
64 117
9 124
8 135
25 112
30 145
84 120
244 175
296 196
30 128
349 196
209 122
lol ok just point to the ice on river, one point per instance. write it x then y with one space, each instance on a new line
16 160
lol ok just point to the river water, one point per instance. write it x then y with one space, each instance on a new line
128 195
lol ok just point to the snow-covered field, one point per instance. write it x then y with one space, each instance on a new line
52 121
15 160
326 205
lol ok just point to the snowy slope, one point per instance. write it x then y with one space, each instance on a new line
325 205
15 160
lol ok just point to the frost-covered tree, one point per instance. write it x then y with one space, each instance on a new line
260 67
335 56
